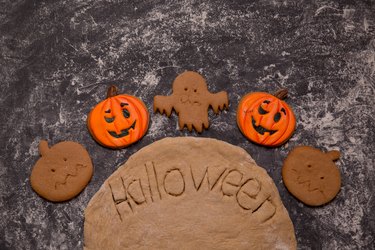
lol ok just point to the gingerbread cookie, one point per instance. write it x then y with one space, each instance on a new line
188 193
311 175
266 119
119 120
62 172
191 101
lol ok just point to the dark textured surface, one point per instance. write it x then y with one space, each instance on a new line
57 59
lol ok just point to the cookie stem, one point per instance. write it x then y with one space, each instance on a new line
112 91
281 94
333 155
43 147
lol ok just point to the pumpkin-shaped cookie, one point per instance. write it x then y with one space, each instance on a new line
266 119
311 175
119 120
62 171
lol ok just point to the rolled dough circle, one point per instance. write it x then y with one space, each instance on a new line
188 193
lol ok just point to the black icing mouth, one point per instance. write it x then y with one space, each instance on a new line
260 129
123 133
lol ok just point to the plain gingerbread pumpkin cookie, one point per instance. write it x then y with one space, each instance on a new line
62 172
311 175
188 193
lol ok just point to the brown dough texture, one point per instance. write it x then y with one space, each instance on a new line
188 193
62 172
311 175
191 101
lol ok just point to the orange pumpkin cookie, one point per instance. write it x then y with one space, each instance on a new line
191 101
266 119
119 120
311 176
62 172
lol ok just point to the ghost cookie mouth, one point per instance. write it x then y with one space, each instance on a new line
261 130
188 99
123 133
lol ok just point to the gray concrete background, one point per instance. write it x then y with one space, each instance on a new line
57 58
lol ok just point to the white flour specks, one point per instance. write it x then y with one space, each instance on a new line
232 69
220 126
366 24
59 239
34 147
343 123
63 116
198 20
348 13
158 124
150 79
269 66
74 81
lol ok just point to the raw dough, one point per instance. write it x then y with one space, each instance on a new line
188 193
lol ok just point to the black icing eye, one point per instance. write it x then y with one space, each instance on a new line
283 110
262 111
109 119
277 117
126 113
107 111
266 101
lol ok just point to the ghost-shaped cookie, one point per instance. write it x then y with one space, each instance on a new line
311 175
62 172
191 100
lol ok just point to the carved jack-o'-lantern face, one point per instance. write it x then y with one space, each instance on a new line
266 119
119 120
